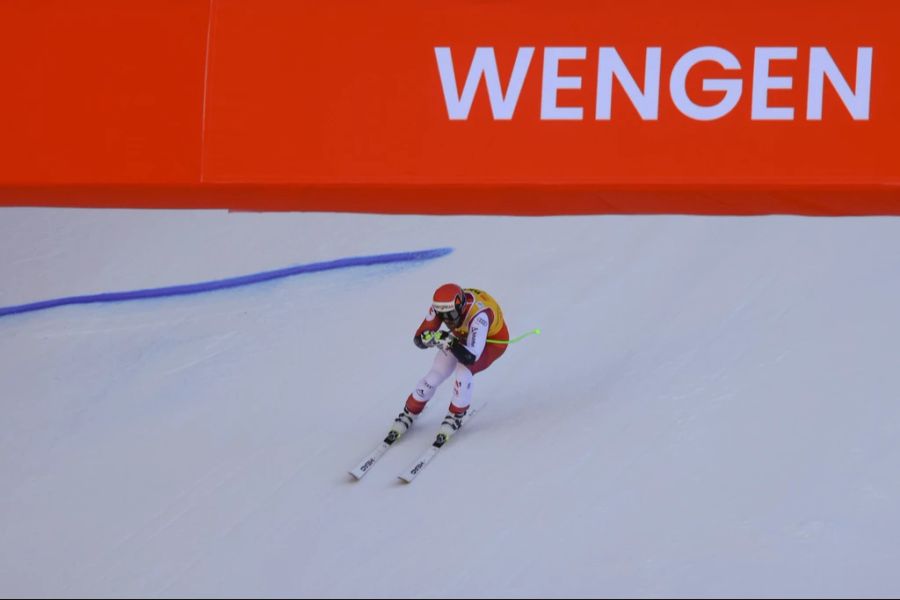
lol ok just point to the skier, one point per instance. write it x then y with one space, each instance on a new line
472 318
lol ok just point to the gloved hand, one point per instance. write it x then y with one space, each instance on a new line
436 339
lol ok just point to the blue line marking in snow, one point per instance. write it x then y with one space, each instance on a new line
221 284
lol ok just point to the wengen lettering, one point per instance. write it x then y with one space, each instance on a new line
645 99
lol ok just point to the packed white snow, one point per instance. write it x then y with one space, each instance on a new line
712 409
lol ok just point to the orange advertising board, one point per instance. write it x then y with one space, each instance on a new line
100 92
526 107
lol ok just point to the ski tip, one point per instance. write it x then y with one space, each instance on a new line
404 479
355 476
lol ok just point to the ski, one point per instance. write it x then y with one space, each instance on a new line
409 474
370 459
420 463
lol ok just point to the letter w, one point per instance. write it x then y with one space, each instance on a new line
502 105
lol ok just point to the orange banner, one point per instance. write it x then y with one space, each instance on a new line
472 107
100 92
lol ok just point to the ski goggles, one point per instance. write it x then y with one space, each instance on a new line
449 316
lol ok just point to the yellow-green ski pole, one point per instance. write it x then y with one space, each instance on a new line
514 340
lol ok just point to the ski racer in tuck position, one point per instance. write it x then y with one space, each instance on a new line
471 317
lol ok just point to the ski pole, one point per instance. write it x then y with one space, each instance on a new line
514 340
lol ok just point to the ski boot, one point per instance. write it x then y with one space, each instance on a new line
401 425
450 425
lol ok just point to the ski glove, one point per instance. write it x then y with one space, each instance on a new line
436 339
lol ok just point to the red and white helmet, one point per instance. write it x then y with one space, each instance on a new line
449 302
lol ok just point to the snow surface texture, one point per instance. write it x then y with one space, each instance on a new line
712 409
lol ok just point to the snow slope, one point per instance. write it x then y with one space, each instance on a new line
712 409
